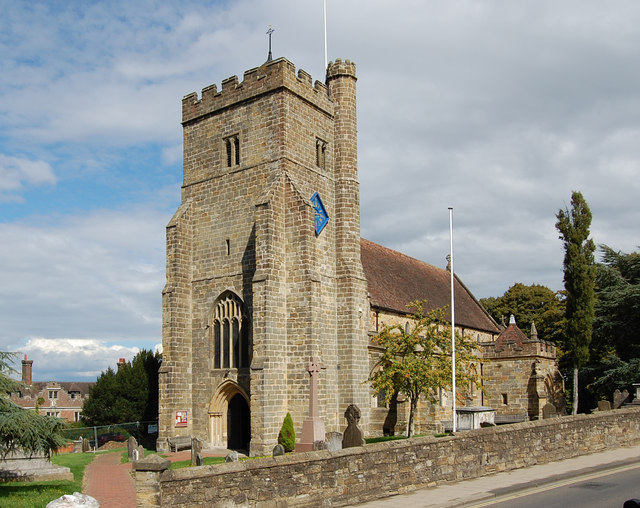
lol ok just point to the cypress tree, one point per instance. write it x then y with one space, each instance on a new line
579 282
287 437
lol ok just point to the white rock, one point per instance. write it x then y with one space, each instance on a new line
75 500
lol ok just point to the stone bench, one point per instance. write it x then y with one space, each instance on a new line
179 443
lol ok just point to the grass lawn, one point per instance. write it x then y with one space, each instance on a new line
38 494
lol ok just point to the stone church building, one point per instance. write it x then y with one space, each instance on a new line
266 269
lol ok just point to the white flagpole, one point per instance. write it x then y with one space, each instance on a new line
326 62
453 320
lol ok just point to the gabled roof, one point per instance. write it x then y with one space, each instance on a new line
395 279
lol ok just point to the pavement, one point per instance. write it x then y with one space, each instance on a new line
485 490
111 482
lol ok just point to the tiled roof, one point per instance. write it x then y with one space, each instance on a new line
395 279
70 386
511 334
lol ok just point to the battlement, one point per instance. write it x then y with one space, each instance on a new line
267 78
341 68
528 348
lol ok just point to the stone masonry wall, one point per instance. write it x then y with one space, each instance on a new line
356 475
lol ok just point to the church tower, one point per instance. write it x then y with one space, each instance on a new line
263 260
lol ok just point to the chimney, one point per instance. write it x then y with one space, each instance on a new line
27 371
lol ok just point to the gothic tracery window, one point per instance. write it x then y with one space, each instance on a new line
230 333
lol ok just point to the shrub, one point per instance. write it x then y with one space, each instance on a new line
287 437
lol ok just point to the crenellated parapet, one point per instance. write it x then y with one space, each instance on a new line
341 68
525 349
267 78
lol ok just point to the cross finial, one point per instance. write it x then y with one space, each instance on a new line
269 32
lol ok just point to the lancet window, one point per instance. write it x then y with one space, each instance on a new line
230 333
232 144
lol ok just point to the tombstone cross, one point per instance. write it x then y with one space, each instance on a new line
313 369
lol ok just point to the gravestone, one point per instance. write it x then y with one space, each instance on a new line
619 398
20 466
77 446
548 411
353 435
196 448
231 457
278 450
334 441
604 405
132 444
85 445
199 461
313 426
140 452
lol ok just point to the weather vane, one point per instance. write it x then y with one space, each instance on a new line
269 32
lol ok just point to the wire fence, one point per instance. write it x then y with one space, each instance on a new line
118 432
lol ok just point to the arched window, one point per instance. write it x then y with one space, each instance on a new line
230 333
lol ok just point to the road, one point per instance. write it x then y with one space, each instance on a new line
597 490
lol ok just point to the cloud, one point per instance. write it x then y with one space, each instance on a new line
18 172
64 359
98 275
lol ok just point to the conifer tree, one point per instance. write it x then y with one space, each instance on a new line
287 436
21 429
579 282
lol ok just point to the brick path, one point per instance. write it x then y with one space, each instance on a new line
111 482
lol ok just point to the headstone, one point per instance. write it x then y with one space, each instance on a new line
334 441
231 457
353 435
75 500
313 426
140 452
77 446
85 445
132 444
604 405
548 411
278 450
134 456
619 398
196 448
320 444
25 467
198 459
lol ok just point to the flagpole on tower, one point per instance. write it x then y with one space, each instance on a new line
326 62
453 322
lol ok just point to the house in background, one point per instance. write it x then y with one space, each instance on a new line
52 398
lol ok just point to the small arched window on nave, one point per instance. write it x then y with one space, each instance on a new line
230 333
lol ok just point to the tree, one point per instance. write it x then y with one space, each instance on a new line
287 436
530 304
128 395
618 303
579 282
417 359
22 429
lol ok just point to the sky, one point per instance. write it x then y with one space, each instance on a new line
497 109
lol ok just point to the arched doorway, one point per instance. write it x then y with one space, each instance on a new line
229 417
238 423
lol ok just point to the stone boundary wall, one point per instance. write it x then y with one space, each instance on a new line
356 475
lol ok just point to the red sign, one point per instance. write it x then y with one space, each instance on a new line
181 419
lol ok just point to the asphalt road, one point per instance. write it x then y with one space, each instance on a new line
605 489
